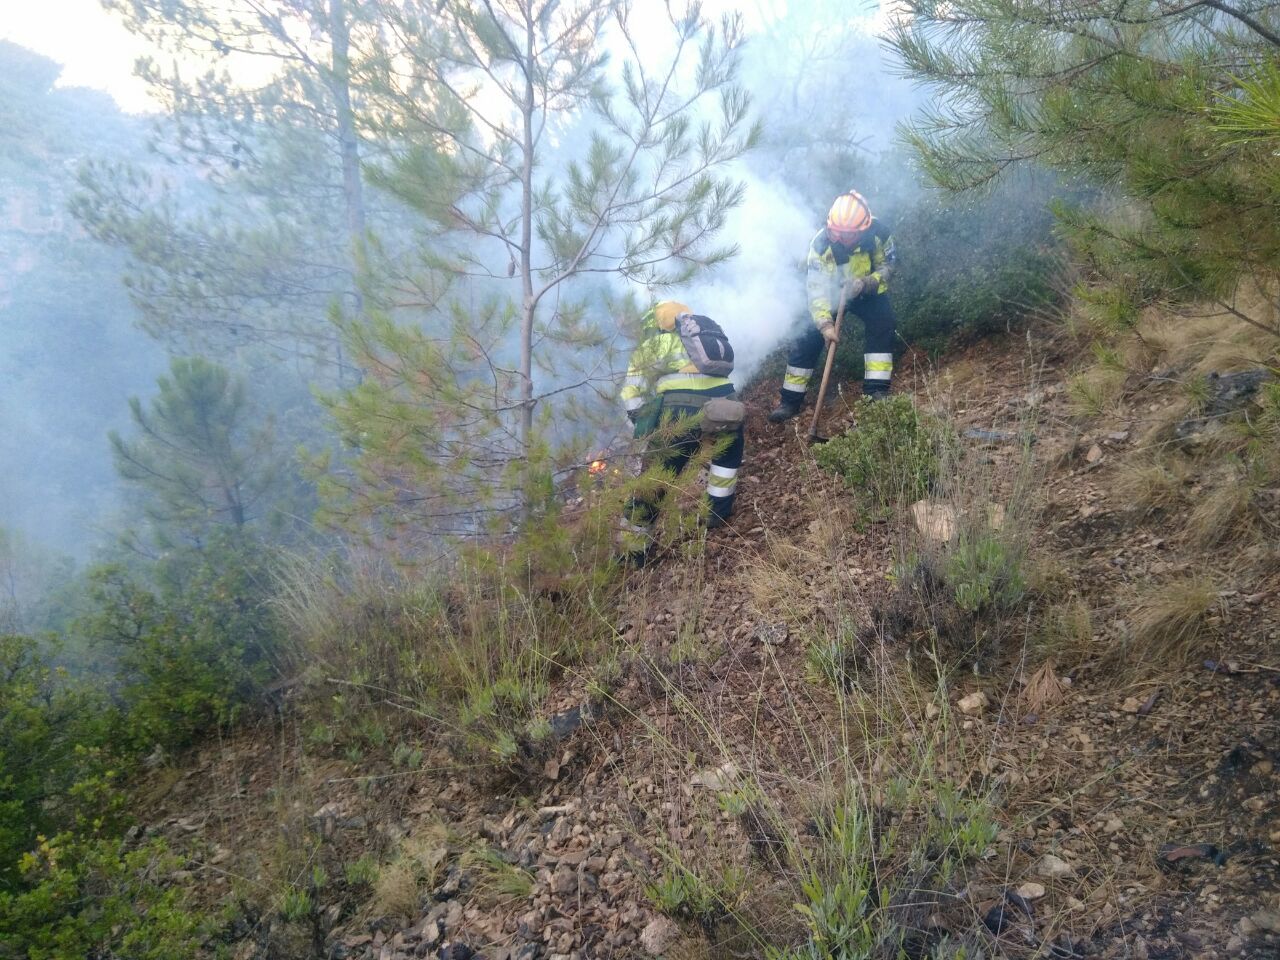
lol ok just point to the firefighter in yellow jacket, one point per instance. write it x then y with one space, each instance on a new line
664 388
852 253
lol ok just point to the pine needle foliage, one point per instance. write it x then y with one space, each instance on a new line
541 168
194 460
1171 109
251 225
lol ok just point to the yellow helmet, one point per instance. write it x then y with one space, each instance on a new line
663 314
849 218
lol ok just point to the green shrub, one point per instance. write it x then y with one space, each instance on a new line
868 873
296 904
841 904
193 647
475 655
984 574
362 872
406 756
495 714
891 456
688 894
960 827
831 658
975 265
95 898
55 772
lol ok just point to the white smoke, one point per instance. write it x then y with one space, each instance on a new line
758 296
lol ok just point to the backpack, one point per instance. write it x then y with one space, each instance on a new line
708 347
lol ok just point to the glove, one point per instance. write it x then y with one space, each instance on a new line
829 333
646 417
869 284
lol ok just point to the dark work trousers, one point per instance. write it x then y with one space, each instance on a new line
673 447
878 320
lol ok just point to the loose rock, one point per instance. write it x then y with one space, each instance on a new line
1055 868
721 778
935 521
657 935
1268 920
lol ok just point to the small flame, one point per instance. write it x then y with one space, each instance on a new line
597 467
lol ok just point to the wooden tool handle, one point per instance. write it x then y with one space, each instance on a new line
826 369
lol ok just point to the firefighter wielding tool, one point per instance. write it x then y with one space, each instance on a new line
826 369
849 263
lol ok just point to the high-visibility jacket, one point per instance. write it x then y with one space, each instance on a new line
659 365
829 267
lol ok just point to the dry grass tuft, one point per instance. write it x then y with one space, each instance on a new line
418 866
1170 619
1065 627
495 881
775 583
828 535
1177 342
1208 339
1048 575
1225 512
1155 484
1044 689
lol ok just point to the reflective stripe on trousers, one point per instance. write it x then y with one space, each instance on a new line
796 379
877 366
633 537
721 481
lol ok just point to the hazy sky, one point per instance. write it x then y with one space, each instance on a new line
96 51
92 46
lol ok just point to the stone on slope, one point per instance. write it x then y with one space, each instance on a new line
658 935
1055 868
935 521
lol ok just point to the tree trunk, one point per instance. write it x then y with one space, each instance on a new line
348 142
349 151
528 303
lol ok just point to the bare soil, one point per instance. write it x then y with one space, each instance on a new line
1120 770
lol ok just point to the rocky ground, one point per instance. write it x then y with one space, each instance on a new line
1137 802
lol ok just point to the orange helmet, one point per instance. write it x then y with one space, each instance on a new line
849 218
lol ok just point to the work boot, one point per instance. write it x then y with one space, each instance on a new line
718 511
633 559
785 410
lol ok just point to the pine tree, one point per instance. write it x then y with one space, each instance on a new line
1135 97
270 231
195 462
545 174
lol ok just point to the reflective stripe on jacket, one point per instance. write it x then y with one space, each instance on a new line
659 365
828 267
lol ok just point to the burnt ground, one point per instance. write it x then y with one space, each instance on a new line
1150 775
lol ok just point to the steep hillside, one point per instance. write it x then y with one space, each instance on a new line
803 709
